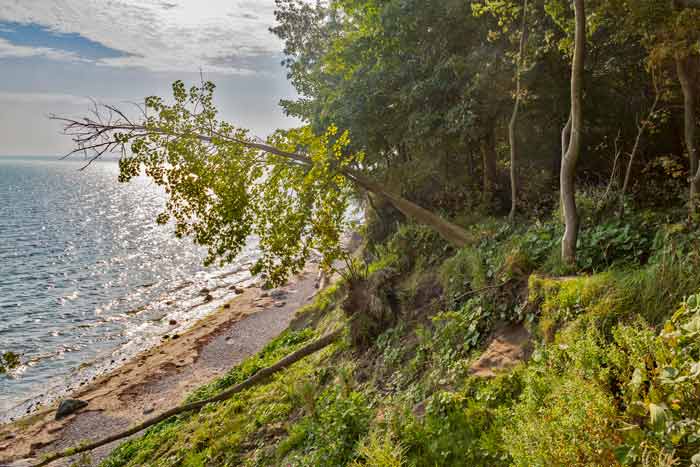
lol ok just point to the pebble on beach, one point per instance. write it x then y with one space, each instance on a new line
68 407
277 294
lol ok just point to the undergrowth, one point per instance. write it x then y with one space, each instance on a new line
612 380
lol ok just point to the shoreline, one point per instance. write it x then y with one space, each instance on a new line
160 377
111 360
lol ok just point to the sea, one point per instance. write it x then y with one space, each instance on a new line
88 278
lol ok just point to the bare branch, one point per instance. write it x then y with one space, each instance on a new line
618 152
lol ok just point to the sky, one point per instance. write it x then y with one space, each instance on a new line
56 55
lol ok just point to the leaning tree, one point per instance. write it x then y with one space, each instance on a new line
292 191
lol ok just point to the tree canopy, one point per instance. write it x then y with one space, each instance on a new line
410 102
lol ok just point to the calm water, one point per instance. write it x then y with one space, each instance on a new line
86 275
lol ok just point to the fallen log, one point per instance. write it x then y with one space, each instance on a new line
258 377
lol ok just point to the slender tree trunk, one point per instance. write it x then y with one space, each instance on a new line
568 164
514 120
565 140
489 160
613 172
641 128
687 68
470 163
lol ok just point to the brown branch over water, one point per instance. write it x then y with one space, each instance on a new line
99 135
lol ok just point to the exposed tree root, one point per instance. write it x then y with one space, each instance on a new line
258 377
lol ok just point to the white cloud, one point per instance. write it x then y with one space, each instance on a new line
226 36
9 50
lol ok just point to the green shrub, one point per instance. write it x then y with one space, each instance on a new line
614 243
540 240
560 300
567 421
390 346
417 247
462 428
658 378
454 432
627 398
456 333
330 436
380 451
462 273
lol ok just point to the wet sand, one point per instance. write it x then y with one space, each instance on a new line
160 378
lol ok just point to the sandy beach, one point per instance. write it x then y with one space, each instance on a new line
161 377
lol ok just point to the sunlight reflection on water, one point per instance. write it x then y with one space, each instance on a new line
87 275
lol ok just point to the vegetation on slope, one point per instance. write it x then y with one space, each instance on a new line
611 379
408 110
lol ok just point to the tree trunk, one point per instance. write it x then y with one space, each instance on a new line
489 160
573 149
565 140
514 120
687 68
641 127
613 173
470 163
452 233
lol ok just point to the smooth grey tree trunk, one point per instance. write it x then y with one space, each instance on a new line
514 120
573 150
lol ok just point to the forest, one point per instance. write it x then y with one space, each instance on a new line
526 290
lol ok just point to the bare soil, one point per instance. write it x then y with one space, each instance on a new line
509 346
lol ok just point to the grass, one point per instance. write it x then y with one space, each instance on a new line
612 380
221 433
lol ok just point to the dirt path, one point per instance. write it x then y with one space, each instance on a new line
160 378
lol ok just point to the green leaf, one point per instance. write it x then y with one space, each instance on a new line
695 460
668 374
693 325
657 415
638 379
